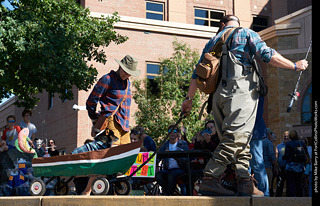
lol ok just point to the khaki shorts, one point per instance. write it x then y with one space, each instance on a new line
124 137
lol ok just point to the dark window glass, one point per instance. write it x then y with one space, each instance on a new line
154 11
153 68
259 23
216 15
214 23
152 86
201 22
201 13
154 7
154 16
207 17
306 111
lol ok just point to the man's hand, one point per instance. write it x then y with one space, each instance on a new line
302 65
186 106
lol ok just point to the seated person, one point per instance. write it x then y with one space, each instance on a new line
138 134
10 134
207 138
171 169
52 150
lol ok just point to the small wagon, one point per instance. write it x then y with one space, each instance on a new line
104 165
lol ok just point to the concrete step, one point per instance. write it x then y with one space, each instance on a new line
153 201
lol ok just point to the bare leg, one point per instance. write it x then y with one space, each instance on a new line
87 191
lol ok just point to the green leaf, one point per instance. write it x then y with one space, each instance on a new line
156 112
45 45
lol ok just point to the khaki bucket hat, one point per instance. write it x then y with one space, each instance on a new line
129 64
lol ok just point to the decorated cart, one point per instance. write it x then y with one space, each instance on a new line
104 165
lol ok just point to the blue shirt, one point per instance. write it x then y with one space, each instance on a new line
245 44
268 153
281 151
149 144
260 129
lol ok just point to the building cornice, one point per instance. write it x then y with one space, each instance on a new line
166 27
280 30
285 26
292 17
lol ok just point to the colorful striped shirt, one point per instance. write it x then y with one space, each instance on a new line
245 44
109 92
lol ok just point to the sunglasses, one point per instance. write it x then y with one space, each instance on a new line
135 132
11 121
174 131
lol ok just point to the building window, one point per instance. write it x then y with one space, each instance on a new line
207 17
64 100
50 101
259 23
152 72
154 10
306 112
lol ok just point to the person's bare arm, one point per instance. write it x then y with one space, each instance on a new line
279 61
187 104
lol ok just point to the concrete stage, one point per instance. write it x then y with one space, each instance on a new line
152 201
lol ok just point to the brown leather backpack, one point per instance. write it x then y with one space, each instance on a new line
208 69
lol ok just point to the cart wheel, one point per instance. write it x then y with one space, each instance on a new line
100 186
122 187
37 187
61 188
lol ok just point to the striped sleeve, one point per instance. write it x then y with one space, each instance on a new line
259 47
99 89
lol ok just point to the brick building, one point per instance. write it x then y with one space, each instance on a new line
152 26
290 36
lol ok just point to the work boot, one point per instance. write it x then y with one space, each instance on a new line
247 187
211 186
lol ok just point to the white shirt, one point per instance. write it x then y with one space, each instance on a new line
32 128
172 162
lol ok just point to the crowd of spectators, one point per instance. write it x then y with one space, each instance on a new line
287 165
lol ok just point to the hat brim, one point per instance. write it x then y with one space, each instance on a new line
132 73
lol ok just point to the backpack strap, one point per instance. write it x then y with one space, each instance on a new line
216 48
223 63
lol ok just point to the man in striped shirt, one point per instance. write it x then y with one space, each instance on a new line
110 91
113 93
234 106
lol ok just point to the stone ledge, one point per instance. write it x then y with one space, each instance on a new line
153 201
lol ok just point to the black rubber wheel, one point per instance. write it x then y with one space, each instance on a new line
122 187
100 186
37 187
61 188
